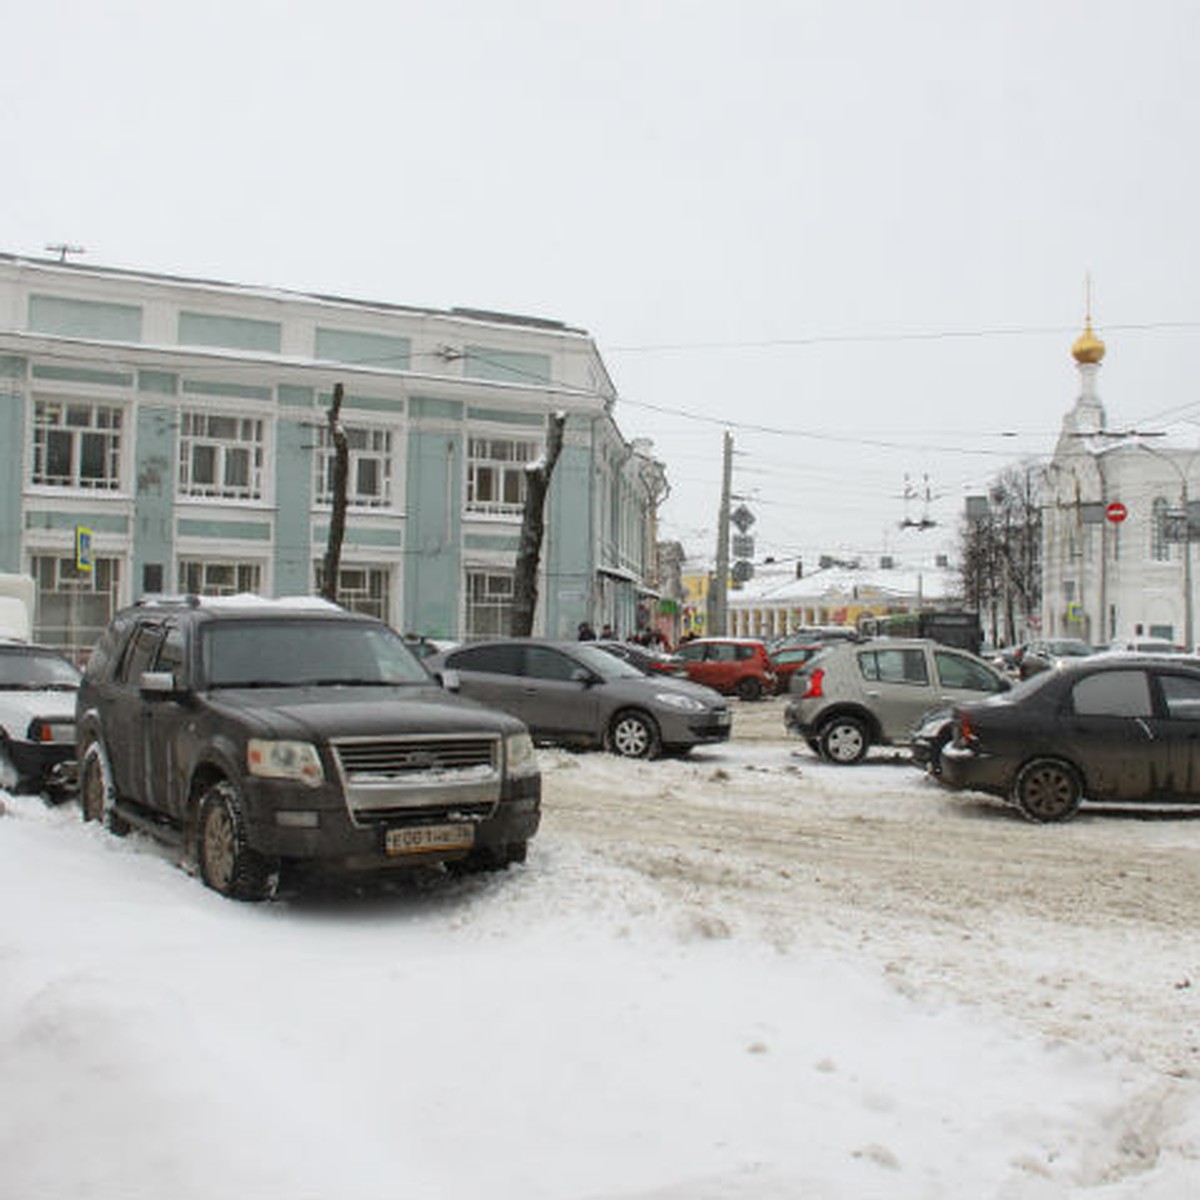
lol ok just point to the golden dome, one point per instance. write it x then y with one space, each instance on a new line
1088 347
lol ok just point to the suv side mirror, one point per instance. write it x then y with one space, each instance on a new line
584 676
158 683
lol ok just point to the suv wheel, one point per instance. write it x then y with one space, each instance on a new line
633 735
844 740
1048 789
96 793
227 864
750 688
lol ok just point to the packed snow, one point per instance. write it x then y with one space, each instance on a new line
647 1008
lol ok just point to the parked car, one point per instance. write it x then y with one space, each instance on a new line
1106 728
1042 655
647 660
574 693
732 666
851 697
808 635
267 735
1144 645
787 661
427 647
37 719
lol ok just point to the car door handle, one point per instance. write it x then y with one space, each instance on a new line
1145 728
873 693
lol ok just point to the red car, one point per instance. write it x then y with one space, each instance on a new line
733 666
789 660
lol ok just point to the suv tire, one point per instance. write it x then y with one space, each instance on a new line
844 740
227 864
96 793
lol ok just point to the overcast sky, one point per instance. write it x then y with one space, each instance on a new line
854 234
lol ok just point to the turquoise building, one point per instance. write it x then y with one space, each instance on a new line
163 434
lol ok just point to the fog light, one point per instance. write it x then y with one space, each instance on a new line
303 819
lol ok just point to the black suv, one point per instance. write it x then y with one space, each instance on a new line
268 734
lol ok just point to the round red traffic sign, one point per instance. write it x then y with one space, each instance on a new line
1116 512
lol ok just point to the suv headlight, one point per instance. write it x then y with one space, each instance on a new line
285 760
520 758
682 703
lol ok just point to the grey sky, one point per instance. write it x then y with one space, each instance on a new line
797 197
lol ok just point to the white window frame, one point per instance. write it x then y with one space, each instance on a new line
372 595
487 593
497 478
50 416
58 576
367 444
196 434
247 575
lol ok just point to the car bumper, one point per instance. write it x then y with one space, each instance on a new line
44 764
319 829
701 730
968 769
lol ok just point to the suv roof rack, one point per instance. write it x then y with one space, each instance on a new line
156 599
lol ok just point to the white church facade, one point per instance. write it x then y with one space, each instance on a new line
1118 519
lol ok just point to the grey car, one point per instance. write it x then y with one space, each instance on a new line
576 693
853 696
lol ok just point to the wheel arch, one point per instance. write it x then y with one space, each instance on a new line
859 713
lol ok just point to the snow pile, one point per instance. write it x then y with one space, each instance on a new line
562 1030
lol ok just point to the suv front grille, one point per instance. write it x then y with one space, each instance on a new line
418 773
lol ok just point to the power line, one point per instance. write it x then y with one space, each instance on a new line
879 338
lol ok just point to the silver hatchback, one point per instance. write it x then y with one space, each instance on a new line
576 693
855 695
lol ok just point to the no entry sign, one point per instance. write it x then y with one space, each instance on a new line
1116 512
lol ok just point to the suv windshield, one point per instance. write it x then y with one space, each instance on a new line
294 653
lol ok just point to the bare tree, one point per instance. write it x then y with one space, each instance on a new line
1001 555
337 520
533 529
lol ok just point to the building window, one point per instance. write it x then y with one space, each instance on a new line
369 478
212 577
361 589
489 603
496 474
74 606
220 456
76 444
1160 548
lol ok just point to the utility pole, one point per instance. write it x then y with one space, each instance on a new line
719 608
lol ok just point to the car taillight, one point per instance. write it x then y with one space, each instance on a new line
968 734
814 690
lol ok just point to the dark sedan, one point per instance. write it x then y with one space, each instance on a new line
1109 729
646 659
574 693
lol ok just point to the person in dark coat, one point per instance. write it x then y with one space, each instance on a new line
586 632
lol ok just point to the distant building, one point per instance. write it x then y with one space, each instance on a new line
1117 524
180 424
781 597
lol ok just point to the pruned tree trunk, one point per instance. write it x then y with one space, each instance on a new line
337 519
533 530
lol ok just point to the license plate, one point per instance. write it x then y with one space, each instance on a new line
723 718
416 839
